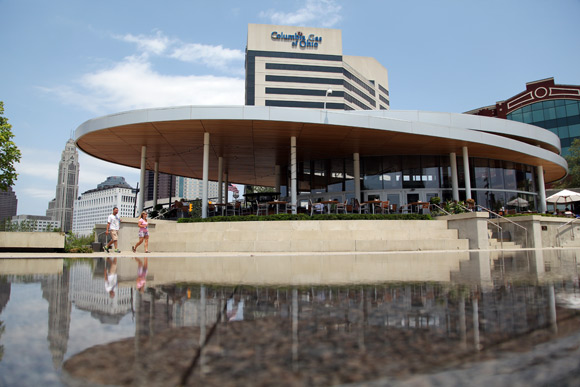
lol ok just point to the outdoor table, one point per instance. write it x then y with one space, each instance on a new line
372 203
416 205
277 204
329 203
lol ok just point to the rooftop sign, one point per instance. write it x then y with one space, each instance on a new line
298 39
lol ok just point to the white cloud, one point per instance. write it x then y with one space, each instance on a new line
94 171
326 13
39 164
156 44
214 57
132 84
209 55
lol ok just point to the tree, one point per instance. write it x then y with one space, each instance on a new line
9 153
573 159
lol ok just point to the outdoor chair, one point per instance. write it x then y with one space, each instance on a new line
385 207
261 208
341 207
362 208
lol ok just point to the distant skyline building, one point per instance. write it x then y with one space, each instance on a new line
8 204
41 223
67 187
298 66
165 185
191 189
94 206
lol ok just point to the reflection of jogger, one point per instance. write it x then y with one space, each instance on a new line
111 276
143 233
141 274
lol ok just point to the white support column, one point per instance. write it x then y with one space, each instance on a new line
220 179
356 166
454 179
293 174
142 179
466 173
277 177
205 182
155 184
226 188
541 188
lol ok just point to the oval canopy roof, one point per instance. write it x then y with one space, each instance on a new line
253 139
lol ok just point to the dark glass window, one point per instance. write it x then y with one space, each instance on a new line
496 174
392 172
372 173
337 176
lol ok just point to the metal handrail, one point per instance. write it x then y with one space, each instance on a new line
510 221
565 224
500 228
433 204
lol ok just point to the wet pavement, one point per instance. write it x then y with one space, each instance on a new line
410 319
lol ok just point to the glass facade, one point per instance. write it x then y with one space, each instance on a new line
494 183
562 117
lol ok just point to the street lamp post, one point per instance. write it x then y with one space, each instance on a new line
328 92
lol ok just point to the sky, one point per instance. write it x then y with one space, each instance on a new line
68 61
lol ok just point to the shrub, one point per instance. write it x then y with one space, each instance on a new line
266 218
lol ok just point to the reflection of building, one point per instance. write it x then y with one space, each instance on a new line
296 66
67 186
88 293
41 223
94 206
545 104
8 204
55 289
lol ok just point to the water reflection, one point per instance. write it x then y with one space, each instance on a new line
316 320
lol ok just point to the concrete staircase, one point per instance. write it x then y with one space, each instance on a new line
302 236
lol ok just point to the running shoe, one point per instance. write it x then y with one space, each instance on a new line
117 251
133 248
106 249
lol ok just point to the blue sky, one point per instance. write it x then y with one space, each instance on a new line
67 61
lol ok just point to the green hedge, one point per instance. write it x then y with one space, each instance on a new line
265 218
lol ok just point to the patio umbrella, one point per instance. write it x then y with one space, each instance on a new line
518 202
564 196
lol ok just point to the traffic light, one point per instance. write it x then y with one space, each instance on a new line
190 207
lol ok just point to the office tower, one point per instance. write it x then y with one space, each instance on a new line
545 104
305 67
8 204
94 206
67 187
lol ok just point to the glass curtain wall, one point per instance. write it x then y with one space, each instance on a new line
497 185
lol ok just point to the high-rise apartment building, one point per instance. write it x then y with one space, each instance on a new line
8 204
67 187
94 206
305 67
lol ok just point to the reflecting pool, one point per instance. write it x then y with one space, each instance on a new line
413 318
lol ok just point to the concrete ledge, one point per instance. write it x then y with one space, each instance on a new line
31 241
